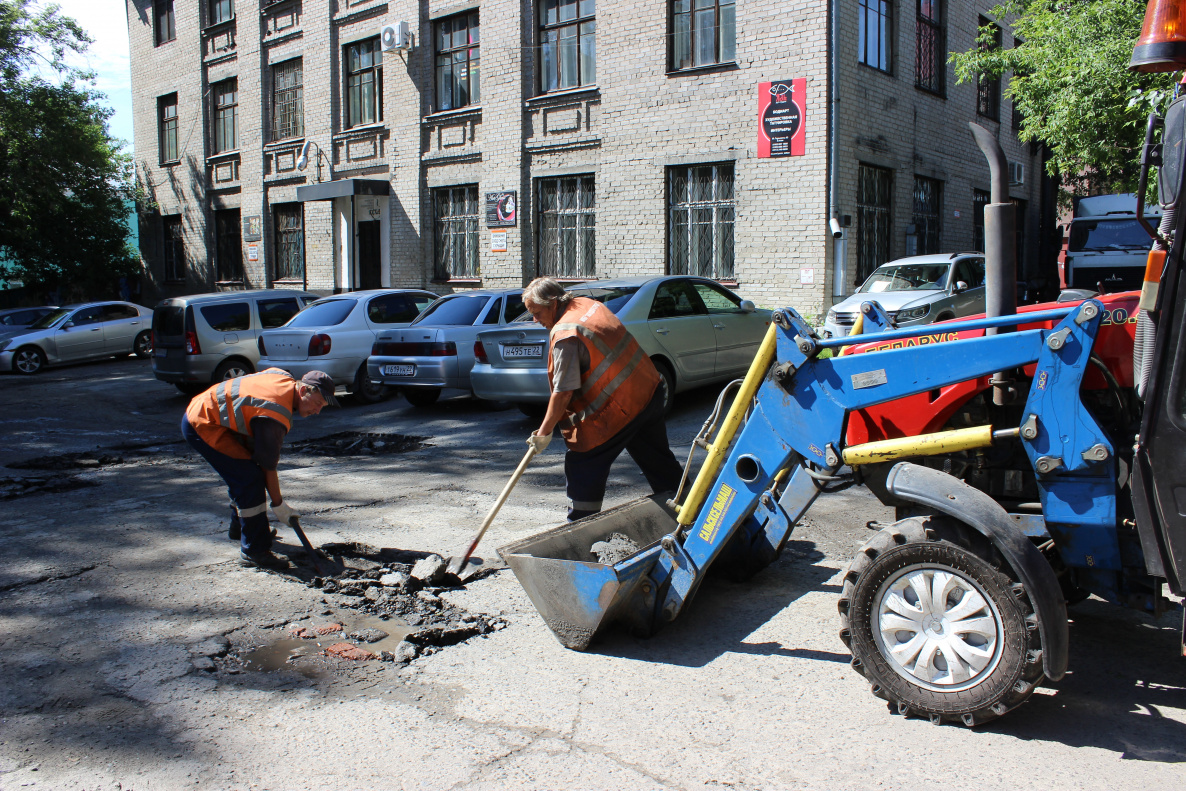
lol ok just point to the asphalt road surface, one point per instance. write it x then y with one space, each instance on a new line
125 622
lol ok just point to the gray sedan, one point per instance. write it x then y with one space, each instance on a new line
696 331
76 333
437 350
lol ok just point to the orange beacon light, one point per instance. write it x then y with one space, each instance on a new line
1162 45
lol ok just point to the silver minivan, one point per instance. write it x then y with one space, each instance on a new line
206 338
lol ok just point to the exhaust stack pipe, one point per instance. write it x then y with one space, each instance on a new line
1000 251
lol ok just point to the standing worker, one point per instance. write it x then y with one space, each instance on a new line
606 397
238 425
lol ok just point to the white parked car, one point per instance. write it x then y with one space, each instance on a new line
335 335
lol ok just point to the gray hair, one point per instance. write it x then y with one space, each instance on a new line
545 291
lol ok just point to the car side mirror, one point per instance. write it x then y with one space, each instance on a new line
68 325
747 306
960 285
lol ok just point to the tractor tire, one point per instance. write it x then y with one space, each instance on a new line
966 652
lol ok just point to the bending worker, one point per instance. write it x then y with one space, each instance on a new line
606 397
238 425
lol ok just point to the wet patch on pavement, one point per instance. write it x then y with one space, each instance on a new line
357 443
316 648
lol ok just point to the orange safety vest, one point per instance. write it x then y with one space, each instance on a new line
619 383
222 414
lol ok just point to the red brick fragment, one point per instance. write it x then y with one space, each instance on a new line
302 633
329 628
349 651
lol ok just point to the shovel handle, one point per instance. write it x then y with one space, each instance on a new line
502 498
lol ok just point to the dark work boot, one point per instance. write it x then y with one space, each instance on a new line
264 560
235 532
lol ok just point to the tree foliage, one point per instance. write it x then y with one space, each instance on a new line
1071 83
63 180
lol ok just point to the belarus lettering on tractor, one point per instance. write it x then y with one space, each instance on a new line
1033 458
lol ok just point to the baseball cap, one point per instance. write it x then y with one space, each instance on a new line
322 382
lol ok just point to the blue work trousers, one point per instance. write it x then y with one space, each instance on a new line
245 484
644 438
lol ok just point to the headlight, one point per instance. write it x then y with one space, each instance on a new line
913 314
4 344
831 319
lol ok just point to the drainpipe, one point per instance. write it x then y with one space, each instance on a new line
1000 248
839 236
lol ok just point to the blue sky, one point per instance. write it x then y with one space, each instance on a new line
107 23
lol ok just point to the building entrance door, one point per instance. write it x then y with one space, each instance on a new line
369 264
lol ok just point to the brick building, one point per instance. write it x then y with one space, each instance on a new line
292 143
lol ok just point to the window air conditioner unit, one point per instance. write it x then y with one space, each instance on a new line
396 38
1016 173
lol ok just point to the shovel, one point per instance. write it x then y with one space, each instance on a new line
314 555
457 563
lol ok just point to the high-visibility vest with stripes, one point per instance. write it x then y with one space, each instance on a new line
619 383
223 413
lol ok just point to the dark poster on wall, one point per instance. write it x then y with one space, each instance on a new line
502 209
782 118
253 228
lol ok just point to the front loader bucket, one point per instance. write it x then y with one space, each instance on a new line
578 596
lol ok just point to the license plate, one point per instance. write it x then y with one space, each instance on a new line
535 350
399 370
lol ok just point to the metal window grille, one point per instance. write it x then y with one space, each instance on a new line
701 212
874 198
980 199
164 25
288 102
226 107
930 47
364 83
228 246
874 33
928 203
567 225
704 32
457 214
457 61
568 46
167 115
173 248
221 11
289 226
988 89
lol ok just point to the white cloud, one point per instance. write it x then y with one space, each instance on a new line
106 22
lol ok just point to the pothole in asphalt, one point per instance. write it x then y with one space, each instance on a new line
309 649
12 488
358 443
94 459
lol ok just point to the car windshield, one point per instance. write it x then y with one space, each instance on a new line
907 277
323 314
614 298
49 319
458 311
1104 235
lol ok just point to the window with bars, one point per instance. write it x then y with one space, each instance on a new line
226 109
167 129
457 61
288 224
874 33
567 223
980 199
701 209
173 248
288 101
364 83
221 11
930 47
164 27
926 214
874 199
568 45
988 89
456 217
703 32
228 246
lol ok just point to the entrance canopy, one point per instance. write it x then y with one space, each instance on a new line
343 188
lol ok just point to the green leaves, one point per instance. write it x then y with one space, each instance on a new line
1071 83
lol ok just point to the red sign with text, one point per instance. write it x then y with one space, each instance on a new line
782 118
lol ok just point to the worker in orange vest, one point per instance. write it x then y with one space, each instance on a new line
238 425
606 397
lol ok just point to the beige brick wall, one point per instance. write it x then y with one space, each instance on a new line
636 123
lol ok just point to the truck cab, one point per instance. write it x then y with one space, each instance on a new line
1107 247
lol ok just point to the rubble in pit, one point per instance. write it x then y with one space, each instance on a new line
357 443
404 586
618 548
